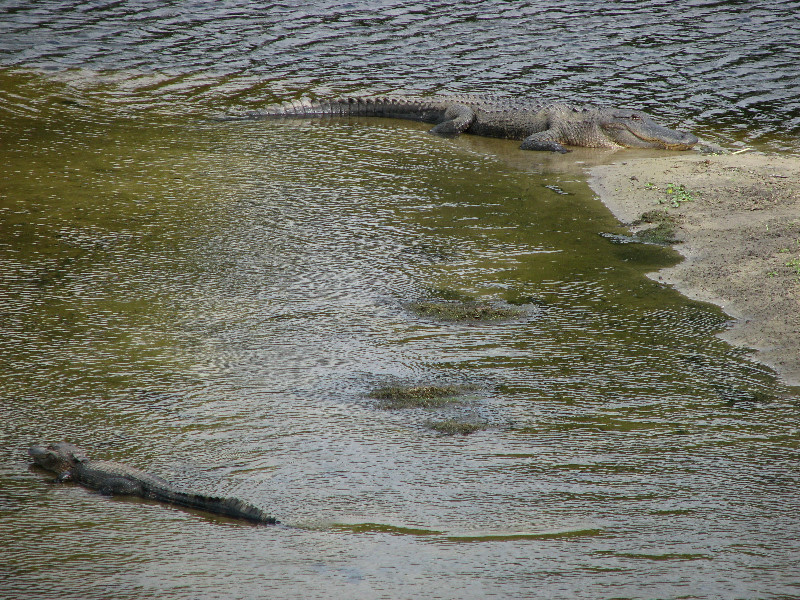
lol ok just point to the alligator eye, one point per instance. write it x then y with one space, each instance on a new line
636 118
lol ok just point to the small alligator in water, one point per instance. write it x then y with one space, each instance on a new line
71 463
540 126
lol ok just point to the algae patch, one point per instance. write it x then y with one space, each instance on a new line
418 396
464 311
455 427
384 528
455 306
663 230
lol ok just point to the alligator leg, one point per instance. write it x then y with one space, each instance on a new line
544 140
458 118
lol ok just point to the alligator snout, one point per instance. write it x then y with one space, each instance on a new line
685 143
37 452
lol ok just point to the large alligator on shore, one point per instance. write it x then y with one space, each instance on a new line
540 125
70 463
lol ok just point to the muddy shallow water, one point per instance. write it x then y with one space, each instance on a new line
214 302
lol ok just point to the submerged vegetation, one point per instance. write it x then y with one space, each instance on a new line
663 230
736 395
420 396
464 310
444 304
456 427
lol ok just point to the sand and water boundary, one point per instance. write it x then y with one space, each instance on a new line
737 220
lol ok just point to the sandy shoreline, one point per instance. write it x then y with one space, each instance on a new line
738 232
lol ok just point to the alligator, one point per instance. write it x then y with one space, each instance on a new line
70 463
540 125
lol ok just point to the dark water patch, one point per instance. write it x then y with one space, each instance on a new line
677 556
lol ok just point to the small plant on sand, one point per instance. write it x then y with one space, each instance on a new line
677 194
794 264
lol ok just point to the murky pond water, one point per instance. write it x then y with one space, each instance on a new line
214 302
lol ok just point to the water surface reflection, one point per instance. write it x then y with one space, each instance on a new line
215 301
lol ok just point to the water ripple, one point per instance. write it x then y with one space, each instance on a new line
215 302
697 74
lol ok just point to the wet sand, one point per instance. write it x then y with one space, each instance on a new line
739 234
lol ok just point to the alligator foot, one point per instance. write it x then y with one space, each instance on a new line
458 118
534 143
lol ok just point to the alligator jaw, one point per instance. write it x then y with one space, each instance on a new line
689 141
657 136
43 456
58 458
668 139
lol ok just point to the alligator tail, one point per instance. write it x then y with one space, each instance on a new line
228 507
352 106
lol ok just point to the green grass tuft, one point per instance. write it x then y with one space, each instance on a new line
677 194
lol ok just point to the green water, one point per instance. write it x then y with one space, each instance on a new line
214 302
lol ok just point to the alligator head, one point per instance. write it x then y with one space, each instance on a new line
59 458
637 129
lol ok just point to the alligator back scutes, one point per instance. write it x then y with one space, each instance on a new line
227 507
69 462
409 107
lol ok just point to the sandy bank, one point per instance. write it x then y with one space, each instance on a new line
739 232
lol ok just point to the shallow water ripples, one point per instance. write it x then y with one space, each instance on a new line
215 301
725 72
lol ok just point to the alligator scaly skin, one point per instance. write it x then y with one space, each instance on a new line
541 125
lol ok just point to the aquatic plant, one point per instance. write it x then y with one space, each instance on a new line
419 396
664 231
463 311
456 427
